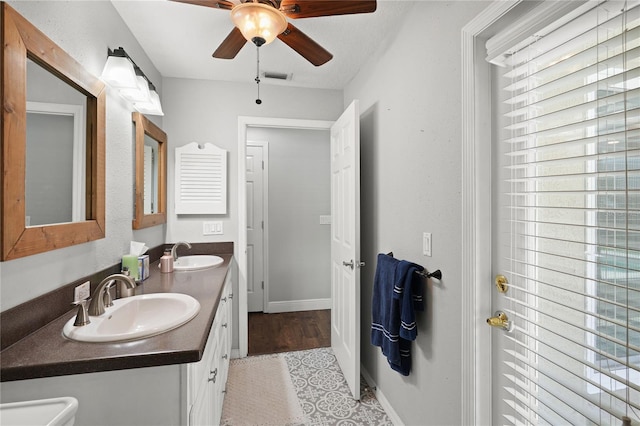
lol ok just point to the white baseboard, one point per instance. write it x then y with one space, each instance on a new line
298 305
384 402
235 353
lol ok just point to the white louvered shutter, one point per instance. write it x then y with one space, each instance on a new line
201 179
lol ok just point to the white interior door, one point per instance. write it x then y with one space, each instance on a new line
255 227
345 244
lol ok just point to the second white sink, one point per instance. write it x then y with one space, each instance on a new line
195 262
136 317
45 412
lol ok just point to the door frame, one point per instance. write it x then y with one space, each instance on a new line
476 216
245 122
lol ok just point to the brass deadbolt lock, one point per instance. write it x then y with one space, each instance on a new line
501 283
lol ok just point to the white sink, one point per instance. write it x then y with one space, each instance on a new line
50 412
192 263
136 317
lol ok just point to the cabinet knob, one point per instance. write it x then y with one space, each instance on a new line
225 325
214 375
224 299
225 356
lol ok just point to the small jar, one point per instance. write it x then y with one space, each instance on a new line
166 262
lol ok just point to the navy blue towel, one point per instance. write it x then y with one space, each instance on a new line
408 295
397 294
384 331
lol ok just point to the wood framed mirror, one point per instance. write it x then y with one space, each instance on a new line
25 47
150 204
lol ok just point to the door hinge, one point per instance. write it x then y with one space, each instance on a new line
262 224
262 164
263 285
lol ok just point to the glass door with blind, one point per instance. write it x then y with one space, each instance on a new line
566 210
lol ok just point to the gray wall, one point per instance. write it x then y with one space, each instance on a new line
85 30
299 192
207 111
410 100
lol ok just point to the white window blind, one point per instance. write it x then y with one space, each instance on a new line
572 128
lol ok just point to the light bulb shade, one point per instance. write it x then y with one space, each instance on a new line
153 107
118 72
140 93
257 20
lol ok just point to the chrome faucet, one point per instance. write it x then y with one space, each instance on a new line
174 249
96 306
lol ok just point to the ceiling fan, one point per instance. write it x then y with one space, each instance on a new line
261 21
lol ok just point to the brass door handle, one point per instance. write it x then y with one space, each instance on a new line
500 320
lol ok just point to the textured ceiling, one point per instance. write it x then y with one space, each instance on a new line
180 38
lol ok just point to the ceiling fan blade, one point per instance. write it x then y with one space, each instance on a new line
315 8
231 45
216 4
301 43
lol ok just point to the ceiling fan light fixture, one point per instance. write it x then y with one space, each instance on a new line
258 23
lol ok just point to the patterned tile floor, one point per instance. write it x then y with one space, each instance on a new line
324 394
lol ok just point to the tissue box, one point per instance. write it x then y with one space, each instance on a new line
143 267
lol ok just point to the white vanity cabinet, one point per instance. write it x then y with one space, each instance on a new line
179 394
207 378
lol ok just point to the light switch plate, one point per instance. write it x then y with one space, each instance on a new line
212 228
426 243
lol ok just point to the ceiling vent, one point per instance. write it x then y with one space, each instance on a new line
277 75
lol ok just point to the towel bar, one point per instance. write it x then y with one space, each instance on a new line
435 274
425 274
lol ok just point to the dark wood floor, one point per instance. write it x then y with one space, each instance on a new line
288 331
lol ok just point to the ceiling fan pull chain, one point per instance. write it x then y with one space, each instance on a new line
258 101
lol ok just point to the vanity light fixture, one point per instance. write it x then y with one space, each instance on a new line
122 73
118 72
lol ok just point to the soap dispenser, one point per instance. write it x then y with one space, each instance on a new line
166 262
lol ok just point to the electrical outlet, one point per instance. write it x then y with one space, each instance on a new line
426 243
82 292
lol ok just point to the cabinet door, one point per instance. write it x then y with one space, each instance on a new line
213 384
229 293
199 371
224 371
201 413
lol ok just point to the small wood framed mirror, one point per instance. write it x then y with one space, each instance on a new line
37 71
150 204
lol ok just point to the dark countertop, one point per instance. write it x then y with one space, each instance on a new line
47 353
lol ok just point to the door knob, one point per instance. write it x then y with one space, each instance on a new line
349 263
500 320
